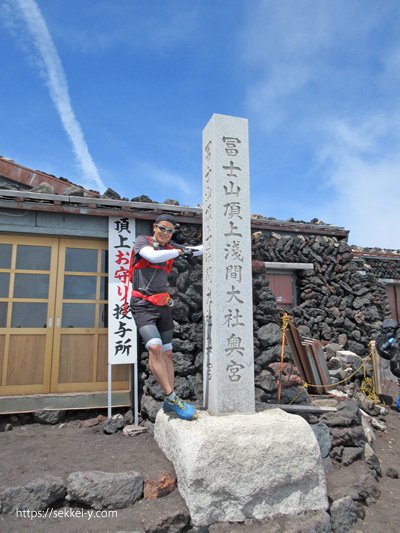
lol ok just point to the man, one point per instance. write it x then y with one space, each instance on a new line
151 305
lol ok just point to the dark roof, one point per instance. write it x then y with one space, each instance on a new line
29 178
71 198
376 253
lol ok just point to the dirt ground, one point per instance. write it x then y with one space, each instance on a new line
33 450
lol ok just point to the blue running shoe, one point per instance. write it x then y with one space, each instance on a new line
166 406
183 410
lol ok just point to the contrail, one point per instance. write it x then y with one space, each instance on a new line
58 88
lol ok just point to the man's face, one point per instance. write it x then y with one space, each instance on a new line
163 232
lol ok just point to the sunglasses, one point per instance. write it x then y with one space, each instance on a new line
164 229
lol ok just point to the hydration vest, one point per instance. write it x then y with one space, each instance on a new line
136 261
141 262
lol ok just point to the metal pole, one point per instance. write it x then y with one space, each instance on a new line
136 394
133 391
109 390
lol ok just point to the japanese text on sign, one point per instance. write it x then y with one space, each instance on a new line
122 330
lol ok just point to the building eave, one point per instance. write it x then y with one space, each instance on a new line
32 178
368 253
115 208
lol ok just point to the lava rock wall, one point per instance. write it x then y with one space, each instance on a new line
334 303
333 299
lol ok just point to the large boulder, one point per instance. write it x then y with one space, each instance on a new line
104 490
234 467
34 496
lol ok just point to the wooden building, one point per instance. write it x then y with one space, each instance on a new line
54 287
54 290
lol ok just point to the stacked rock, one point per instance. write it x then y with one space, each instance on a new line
335 303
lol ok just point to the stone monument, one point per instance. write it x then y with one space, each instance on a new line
227 285
239 464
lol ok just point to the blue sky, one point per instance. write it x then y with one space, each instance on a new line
116 93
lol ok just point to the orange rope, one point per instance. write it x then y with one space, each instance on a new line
285 322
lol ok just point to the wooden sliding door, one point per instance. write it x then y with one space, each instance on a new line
28 270
53 316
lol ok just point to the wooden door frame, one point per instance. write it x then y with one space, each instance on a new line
97 332
8 331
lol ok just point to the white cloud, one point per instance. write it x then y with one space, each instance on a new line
326 74
266 98
170 180
53 72
364 138
298 52
365 179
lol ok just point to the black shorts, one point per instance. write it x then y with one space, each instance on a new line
147 314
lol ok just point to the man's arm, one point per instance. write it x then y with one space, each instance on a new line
193 251
197 250
158 256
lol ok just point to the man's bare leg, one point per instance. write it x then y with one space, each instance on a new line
159 368
170 367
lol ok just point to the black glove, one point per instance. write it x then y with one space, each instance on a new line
187 252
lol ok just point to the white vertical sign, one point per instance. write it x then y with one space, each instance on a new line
122 347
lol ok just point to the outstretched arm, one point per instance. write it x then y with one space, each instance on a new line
197 250
158 256
193 251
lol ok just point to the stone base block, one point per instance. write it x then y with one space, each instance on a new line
233 467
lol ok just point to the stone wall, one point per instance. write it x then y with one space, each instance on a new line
383 268
335 303
335 298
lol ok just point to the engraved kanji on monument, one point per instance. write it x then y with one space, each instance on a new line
227 282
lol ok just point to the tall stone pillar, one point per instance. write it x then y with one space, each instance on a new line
244 464
227 283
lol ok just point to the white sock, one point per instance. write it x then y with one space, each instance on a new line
171 397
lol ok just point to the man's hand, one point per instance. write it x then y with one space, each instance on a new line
187 252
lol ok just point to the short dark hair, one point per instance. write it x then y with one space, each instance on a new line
166 218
